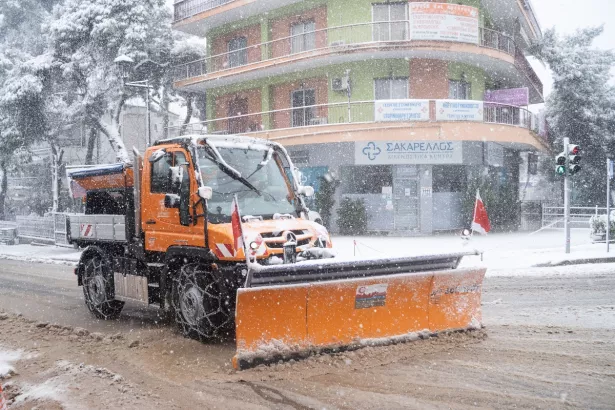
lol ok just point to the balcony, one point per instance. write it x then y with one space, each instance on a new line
353 42
188 8
356 120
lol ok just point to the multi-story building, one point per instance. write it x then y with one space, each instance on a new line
407 102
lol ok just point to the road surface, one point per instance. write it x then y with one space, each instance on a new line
549 343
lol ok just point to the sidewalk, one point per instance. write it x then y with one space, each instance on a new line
503 253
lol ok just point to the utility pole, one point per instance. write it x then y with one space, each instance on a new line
609 173
567 196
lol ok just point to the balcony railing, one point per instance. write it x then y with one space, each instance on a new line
340 39
189 8
360 112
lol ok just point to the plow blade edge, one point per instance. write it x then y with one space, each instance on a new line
281 321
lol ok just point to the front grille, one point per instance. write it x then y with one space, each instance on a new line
280 245
278 235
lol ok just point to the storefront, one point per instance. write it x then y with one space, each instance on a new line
408 187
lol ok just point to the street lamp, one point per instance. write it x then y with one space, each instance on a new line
126 65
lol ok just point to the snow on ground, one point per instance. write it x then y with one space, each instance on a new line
504 254
40 253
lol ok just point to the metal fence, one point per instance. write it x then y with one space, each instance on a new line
341 113
189 8
52 228
553 216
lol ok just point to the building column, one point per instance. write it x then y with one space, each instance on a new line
265 29
426 201
266 105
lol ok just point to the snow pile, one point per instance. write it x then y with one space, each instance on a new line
7 358
40 254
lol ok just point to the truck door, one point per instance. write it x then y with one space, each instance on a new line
162 225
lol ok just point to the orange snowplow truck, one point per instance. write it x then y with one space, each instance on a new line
159 232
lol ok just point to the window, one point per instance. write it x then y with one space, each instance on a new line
391 88
238 122
303 36
303 112
366 179
459 90
392 22
238 52
300 157
449 178
160 172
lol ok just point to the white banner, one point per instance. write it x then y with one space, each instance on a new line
408 152
459 110
444 22
401 110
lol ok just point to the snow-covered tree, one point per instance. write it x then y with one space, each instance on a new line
86 37
22 114
581 106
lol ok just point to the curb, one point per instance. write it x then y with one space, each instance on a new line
586 261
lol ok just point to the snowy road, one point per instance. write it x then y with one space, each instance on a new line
549 343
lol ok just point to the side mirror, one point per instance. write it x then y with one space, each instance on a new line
171 201
205 193
307 191
176 176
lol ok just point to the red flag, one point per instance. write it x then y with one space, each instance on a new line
3 402
237 228
480 223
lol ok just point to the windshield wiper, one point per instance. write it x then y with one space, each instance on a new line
228 170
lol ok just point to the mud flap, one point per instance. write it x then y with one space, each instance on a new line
283 321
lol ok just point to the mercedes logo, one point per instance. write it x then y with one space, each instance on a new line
290 237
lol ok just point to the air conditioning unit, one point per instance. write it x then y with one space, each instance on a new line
339 84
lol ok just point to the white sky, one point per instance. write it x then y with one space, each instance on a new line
569 15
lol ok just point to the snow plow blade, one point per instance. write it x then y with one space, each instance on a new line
293 310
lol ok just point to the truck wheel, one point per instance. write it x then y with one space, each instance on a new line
98 289
201 308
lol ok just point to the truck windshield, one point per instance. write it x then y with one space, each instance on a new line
261 187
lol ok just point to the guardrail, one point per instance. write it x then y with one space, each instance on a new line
339 38
553 216
189 8
342 113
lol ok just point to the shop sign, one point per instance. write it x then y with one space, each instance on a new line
459 110
401 110
444 22
408 152
511 96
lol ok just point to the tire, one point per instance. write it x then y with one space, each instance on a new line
99 290
201 304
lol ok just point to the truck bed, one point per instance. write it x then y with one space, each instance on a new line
109 228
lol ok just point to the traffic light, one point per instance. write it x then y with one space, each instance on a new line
573 159
560 161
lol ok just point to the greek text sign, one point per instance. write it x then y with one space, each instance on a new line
459 110
401 110
510 96
444 22
408 152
